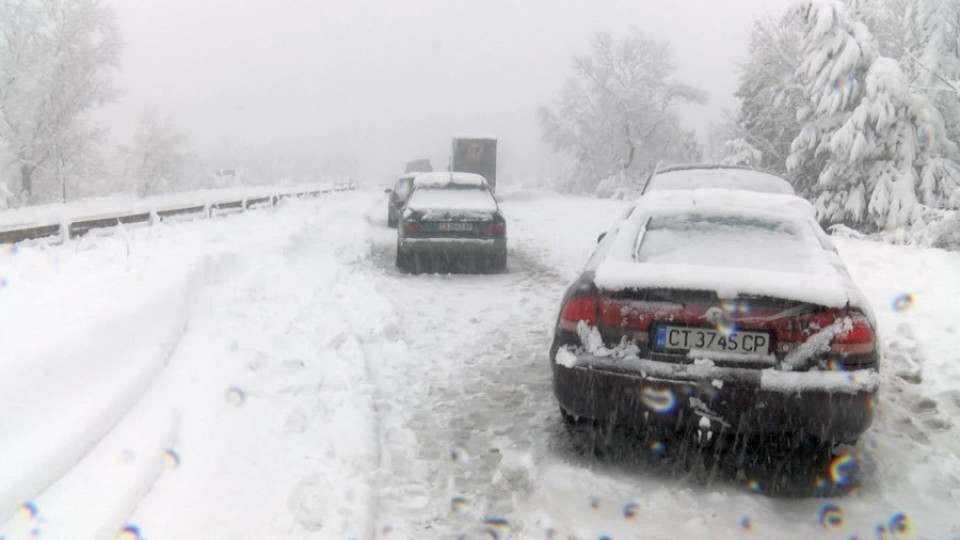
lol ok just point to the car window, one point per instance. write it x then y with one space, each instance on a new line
472 198
729 240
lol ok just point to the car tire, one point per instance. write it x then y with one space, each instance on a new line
499 263
401 261
587 436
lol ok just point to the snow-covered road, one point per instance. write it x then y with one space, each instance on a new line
272 375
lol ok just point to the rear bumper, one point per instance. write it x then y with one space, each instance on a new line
453 246
834 406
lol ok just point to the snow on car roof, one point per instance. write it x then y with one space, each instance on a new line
728 199
720 177
443 179
735 243
487 136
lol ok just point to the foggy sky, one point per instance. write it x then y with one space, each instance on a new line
364 85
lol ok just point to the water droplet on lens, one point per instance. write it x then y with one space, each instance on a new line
630 510
459 455
745 523
594 502
900 525
130 532
172 458
842 469
657 447
235 396
902 302
831 516
458 505
660 400
754 486
497 527
28 510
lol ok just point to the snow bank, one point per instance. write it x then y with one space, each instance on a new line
121 402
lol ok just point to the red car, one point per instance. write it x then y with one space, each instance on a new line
727 311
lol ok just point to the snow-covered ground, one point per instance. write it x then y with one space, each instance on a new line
272 375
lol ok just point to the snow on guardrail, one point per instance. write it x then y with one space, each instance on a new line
59 222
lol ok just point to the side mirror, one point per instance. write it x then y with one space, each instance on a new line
601 237
388 190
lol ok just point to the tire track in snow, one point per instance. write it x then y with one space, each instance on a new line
472 390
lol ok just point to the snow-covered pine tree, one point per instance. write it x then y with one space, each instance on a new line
740 152
862 119
770 96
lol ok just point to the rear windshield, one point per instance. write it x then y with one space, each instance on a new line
734 241
720 179
453 197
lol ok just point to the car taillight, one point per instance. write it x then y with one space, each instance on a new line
496 229
854 339
580 307
853 342
410 227
634 314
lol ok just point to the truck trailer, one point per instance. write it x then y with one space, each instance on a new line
476 155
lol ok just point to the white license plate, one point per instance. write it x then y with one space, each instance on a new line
458 227
673 338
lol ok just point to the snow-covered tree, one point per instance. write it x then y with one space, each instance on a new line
160 159
875 136
770 95
56 58
617 112
740 152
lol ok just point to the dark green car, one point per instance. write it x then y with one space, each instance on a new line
451 221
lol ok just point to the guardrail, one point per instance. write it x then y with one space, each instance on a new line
79 226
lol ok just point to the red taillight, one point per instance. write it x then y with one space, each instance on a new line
415 228
854 335
582 307
634 315
496 229
854 338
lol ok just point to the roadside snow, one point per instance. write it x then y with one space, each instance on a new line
233 437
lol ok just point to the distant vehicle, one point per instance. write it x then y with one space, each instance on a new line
398 197
718 310
418 165
451 218
716 176
476 155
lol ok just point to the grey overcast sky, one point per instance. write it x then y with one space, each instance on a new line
375 82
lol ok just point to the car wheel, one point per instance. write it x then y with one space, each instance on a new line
500 261
401 258
416 264
588 436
